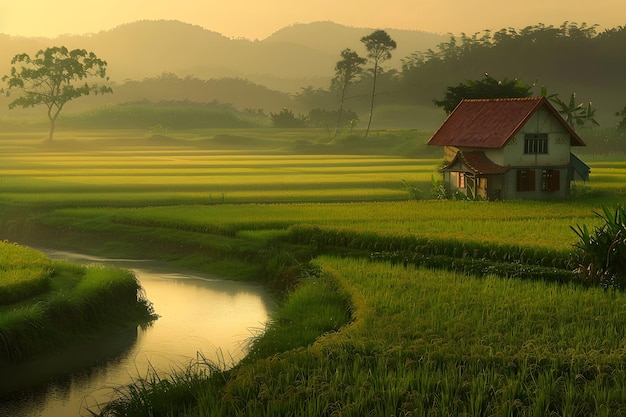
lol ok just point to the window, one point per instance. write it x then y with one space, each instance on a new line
550 180
525 180
536 143
460 180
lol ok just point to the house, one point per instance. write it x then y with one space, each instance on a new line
517 148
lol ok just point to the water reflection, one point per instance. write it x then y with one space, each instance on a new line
196 314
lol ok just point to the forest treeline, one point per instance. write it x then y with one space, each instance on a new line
565 59
570 58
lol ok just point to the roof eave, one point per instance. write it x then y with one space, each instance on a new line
575 140
523 122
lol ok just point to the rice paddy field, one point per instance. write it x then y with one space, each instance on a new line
177 183
396 339
142 177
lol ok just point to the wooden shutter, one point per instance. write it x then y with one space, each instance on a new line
551 180
525 180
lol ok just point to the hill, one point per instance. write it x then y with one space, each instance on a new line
173 61
293 57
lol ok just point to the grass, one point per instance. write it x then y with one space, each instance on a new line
294 326
23 273
48 304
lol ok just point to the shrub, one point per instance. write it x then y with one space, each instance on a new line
414 192
287 119
602 260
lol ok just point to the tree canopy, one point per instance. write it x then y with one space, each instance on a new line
54 77
488 87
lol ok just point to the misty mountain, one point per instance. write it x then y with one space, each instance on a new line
297 56
161 61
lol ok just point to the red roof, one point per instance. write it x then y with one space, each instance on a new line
476 162
491 123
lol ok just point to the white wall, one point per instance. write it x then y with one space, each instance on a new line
558 143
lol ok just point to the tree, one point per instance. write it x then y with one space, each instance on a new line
53 78
379 46
488 87
287 119
346 71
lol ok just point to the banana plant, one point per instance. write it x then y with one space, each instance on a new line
602 259
575 114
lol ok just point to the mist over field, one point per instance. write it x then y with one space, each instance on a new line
292 58
171 61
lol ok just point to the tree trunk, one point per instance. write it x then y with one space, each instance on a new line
369 121
343 96
52 116
51 133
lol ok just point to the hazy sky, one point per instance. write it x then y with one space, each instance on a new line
257 19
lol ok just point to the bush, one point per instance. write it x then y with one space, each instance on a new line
287 119
602 260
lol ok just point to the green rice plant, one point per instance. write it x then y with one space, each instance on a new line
19 333
478 267
24 273
411 248
425 344
294 326
78 301
420 341
156 394
518 225
204 177
188 173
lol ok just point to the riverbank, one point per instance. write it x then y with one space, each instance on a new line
47 305
200 315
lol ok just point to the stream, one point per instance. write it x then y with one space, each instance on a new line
200 316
